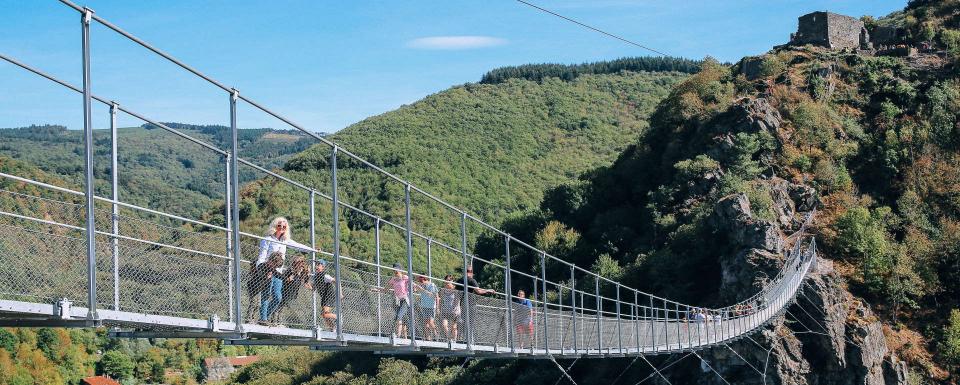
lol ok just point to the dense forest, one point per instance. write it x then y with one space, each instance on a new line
539 72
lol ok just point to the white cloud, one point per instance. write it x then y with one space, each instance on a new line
455 42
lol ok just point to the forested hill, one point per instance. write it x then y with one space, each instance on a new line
490 148
157 169
494 148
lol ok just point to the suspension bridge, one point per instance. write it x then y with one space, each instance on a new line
72 258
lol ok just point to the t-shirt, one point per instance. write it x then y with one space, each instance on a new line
524 315
448 300
699 317
327 278
326 290
271 244
400 286
472 284
429 296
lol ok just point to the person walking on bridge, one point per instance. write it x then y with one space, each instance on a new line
427 308
277 240
474 287
326 288
399 285
450 307
294 278
523 319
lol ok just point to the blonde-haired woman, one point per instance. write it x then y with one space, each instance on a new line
277 240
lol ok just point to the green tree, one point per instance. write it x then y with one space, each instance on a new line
49 342
116 364
396 372
557 239
150 365
8 340
950 344
772 66
607 267
862 237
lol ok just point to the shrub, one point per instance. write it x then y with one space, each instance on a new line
862 237
607 267
772 66
761 203
951 40
950 345
688 169
8 341
803 163
557 239
396 372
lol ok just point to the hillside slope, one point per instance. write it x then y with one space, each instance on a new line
492 149
157 169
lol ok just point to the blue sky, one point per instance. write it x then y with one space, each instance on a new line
328 64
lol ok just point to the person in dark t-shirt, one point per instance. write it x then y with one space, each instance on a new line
474 286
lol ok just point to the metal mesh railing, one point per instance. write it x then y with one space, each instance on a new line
173 273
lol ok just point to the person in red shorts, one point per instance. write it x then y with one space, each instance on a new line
523 319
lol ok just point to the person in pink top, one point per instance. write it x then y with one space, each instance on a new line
399 285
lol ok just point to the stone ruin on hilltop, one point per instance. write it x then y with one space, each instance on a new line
841 32
831 30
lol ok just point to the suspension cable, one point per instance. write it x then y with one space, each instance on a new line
744 359
633 43
655 369
664 367
847 339
554 360
568 369
624 371
711 368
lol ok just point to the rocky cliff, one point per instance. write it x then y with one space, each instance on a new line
828 336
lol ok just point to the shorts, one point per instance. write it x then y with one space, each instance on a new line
450 313
327 297
427 313
401 310
525 327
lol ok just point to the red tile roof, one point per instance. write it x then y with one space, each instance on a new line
99 380
234 361
243 360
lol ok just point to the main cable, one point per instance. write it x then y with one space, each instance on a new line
711 368
625 40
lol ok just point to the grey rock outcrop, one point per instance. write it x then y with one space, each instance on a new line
747 115
750 115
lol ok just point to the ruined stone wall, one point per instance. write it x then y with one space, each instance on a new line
843 31
887 36
812 29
